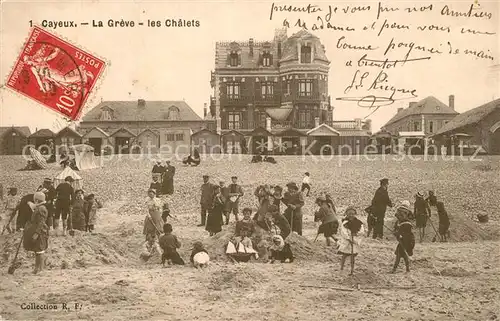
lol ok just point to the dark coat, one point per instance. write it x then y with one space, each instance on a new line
282 223
78 220
214 219
380 202
404 234
168 180
37 225
24 211
294 216
421 211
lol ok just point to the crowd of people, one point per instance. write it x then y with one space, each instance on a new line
279 214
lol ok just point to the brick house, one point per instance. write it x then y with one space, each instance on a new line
274 95
131 126
476 127
13 140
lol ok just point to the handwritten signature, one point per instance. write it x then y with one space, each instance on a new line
379 83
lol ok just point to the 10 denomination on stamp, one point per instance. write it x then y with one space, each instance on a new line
55 73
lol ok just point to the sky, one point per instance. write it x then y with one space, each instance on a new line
175 63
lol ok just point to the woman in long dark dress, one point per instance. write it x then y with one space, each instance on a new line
422 212
214 219
24 211
36 231
404 235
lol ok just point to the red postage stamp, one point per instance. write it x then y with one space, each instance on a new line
55 73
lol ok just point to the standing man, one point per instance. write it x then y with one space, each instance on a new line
294 200
65 196
207 198
379 205
235 193
50 196
168 179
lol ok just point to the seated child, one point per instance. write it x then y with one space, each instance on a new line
280 250
444 222
199 256
404 235
150 247
246 226
169 244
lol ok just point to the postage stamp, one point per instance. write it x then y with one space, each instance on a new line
55 73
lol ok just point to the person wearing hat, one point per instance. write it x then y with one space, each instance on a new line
246 226
49 190
329 222
64 198
404 234
167 187
206 199
36 231
379 206
157 171
77 219
153 223
224 190
235 193
294 200
422 212
351 230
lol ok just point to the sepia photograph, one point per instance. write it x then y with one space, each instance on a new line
244 161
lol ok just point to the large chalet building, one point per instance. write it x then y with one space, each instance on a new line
125 125
273 96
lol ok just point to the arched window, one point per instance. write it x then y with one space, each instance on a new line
305 54
234 59
267 59
173 113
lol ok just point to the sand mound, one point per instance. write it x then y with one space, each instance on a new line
364 278
81 250
236 277
302 248
455 272
98 295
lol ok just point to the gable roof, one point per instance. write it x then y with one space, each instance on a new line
68 129
23 130
428 105
290 132
43 133
123 129
205 130
97 129
470 117
260 131
233 133
332 130
152 111
148 130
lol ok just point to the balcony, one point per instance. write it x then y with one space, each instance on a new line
232 100
305 97
347 124
269 99
243 125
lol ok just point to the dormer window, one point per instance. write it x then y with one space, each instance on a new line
105 114
305 54
267 59
234 59
173 113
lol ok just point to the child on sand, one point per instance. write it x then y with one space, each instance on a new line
150 247
306 183
404 234
91 212
350 237
329 222
199 256
12 202
280 250
169 244
156 185
422 212
444 222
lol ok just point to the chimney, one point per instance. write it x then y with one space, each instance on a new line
451 102
413 104
400 110
205 110
141 103
250 44
358 123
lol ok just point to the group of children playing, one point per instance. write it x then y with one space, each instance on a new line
79 214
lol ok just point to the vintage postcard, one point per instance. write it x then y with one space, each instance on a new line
215 160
